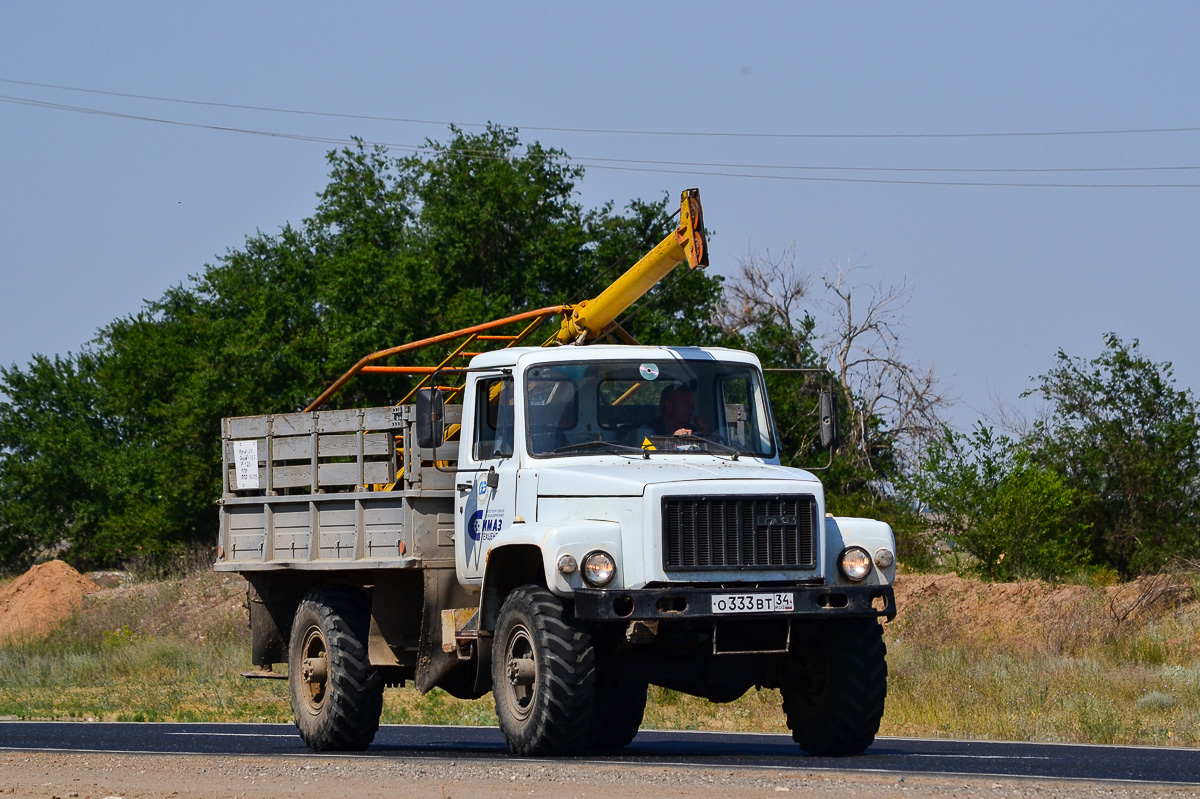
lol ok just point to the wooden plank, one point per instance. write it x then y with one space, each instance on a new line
328 446
249 426
388 418
292 424
293 476
344 474
346 421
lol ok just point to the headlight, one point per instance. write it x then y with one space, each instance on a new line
598 568
884 558
567 564
855 563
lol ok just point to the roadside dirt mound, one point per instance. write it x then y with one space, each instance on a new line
41 599
1031 615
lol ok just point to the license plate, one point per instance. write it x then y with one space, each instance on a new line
754 603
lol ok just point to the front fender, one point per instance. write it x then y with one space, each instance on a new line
870 534
567 538
509 564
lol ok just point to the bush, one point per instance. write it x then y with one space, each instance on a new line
1127 443
985 495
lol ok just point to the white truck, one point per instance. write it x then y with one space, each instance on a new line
584 523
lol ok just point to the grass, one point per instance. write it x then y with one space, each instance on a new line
172 650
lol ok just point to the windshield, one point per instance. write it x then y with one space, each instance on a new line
667 406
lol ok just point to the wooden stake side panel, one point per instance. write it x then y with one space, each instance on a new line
304 491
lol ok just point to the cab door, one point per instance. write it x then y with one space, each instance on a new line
486 483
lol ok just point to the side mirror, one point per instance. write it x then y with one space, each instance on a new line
827 406
431 418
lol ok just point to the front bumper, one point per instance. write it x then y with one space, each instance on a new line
663 604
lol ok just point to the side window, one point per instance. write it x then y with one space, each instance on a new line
493 419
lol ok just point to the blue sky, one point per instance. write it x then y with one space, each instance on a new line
98 212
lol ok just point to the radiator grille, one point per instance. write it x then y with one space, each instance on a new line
724 532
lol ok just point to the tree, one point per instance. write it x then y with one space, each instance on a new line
56 439
889 404
864 348
1128 443
115 451
986 496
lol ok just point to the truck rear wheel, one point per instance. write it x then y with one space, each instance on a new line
620 706
337 696
543 674
834 688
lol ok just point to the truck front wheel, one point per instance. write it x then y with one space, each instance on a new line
337 696
834 688
543 674
620 706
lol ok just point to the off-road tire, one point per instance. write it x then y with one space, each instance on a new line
538 637
620 706
834 688
339 713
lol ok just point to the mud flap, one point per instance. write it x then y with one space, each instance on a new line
442 590
272 606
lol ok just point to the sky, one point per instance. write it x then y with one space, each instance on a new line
860 112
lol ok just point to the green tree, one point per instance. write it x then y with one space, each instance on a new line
985 496
1127 441
115 451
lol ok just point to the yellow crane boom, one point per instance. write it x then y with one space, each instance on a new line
582 323
590 319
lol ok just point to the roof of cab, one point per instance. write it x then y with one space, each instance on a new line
602 352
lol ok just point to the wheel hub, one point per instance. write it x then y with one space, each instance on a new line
314 668
521 670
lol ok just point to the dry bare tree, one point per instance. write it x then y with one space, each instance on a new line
766 288
862 344
854 328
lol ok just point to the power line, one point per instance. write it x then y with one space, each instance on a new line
616 131
652 167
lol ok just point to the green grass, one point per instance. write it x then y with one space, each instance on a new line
172 651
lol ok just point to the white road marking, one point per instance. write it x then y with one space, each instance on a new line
971 757
236 734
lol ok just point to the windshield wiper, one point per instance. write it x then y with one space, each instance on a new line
710 443
598 443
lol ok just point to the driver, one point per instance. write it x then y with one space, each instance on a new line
677 413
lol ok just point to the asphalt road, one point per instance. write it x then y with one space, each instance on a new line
708 749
